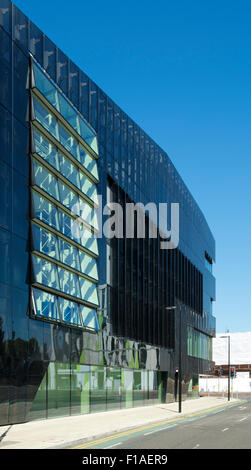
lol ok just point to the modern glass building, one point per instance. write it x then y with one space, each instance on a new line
89 323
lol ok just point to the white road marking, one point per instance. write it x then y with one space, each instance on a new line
113 445
242 419
242 407
196 447
162 429
223 430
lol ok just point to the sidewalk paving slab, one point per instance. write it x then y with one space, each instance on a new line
68 431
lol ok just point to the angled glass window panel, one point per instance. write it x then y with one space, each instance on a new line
68 142
67 197
69 255
65 224
88 162
45 272
91 243
69 311
44 85
88 188
88 265
46 304
69 170
45 149
83 236
89 317
45 180
45 118
45 211
45 242
88 135
68 113
69 282
88 240
87 213
95 220
88 291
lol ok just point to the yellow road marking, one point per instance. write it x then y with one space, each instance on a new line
142 428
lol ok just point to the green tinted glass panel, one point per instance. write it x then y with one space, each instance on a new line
153 386
113 388
58 389
80 389
140 387
98 389
127 388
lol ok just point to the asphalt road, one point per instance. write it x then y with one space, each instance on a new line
224 428
227 429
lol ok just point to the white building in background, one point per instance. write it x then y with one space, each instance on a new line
240 358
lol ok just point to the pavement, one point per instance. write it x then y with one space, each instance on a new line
73 430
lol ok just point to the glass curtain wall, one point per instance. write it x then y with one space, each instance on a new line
73 389
198 344
64 179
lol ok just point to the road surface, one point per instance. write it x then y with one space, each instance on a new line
221 428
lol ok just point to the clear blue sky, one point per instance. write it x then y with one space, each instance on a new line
182 70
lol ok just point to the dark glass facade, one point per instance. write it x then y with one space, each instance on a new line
84 321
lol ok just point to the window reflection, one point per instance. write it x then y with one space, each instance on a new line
59 102
46 304
45 242
45 272
45 149
57 308
45 180
45 118
69 311
45 211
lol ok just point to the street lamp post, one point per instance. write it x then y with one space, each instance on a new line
228 391
179 373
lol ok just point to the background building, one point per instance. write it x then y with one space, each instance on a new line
240 359
84 324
